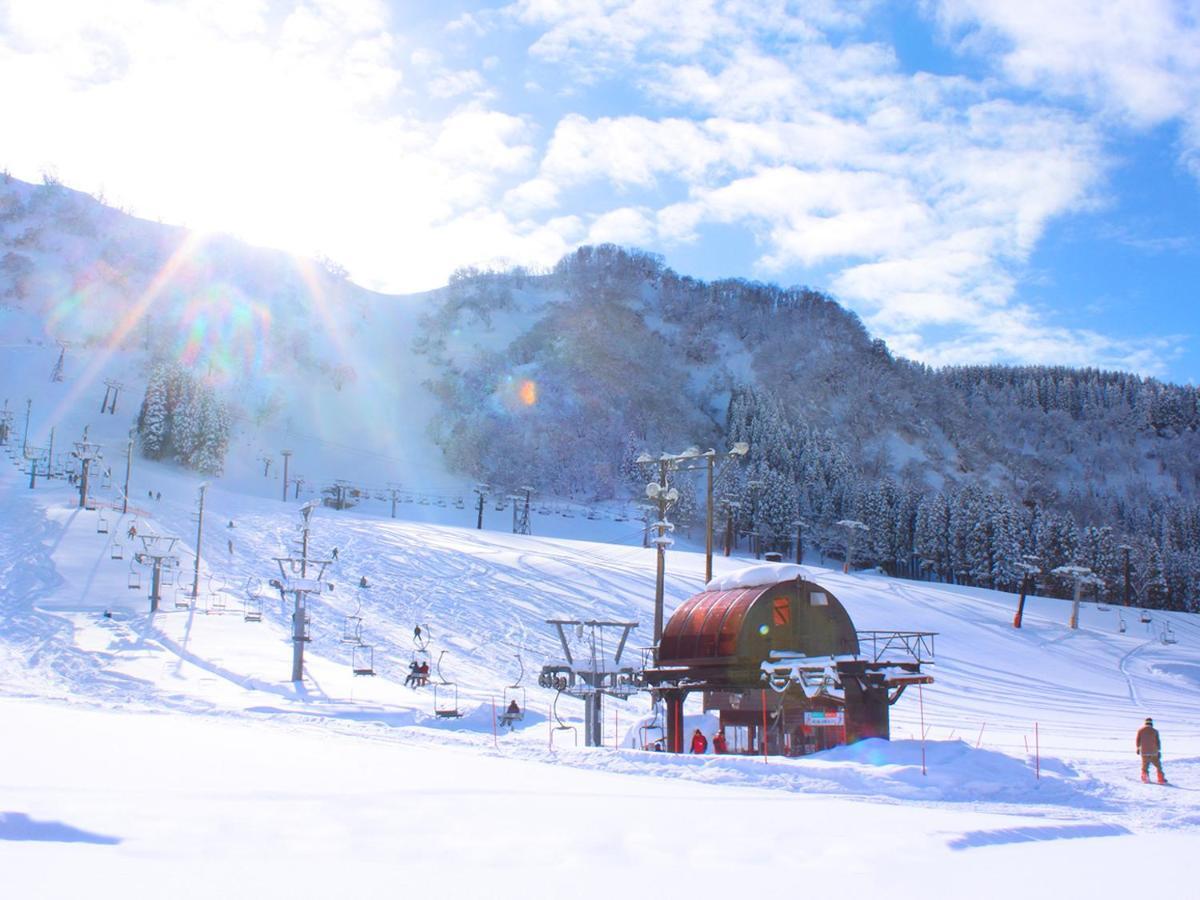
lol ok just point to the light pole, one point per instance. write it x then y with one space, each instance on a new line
664 495
853 528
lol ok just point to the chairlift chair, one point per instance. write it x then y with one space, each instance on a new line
1120 623
445 694
167 578
135 578
1145 616
183 597
253 611
560 725
352 630
102 524
1168 636
362 659
514 693
117 550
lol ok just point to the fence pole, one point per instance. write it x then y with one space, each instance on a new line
764 727
980 738
1037 752
921 701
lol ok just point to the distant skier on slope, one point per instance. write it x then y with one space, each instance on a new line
1149 747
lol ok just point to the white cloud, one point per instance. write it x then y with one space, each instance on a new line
621 226
1137 60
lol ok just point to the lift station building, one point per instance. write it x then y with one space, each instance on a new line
778 659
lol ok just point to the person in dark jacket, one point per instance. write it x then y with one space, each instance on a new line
699 742
1149 748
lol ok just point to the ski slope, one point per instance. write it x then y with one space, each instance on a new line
172 751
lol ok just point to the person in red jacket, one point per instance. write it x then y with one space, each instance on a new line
699 742
719 744
1149 748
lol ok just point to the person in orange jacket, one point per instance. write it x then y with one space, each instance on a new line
1149 748
699 742
719 744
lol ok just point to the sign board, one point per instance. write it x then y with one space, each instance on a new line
822 717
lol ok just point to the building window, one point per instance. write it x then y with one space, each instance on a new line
818 598
781 611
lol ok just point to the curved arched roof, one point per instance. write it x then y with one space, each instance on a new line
707 625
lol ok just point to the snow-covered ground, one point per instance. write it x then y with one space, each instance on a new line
172 752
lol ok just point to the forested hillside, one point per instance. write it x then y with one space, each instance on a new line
562 379
959 474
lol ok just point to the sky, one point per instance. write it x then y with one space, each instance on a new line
980 181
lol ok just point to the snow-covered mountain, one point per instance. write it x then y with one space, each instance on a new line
560 380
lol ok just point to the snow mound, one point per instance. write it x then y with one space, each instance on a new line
758 576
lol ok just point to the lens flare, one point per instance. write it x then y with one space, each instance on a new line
528 392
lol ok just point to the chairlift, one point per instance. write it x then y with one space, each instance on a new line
1168 636
253 610
183 598
135 578
445 694
458 503
500 505
352 630
560 725
102 524
1145 616
1120 623
362 659
167 578
421 637
117 550
655 724
514 699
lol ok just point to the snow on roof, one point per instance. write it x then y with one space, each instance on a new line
758 575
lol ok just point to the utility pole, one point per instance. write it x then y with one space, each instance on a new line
800 524
128 469
1125 548
664 496
286 456
481 491
394 492
50 456
33 454
199 538
298 481
85 451
266 461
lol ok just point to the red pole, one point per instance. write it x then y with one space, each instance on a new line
921 700
764 730
550 726
980 738
1037 751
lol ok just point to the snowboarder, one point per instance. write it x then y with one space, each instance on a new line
699 742
1149 747
362 582
719 744
335 552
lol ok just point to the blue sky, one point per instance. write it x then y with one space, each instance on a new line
979 180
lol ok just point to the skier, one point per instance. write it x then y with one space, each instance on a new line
335 552
231 546
132 532
719 744
362 582
414 674
699 742
423 674
1149 747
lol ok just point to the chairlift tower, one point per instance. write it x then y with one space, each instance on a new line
111 390
57 374
294 579
520 502
158 553
86 452
6 420
592 670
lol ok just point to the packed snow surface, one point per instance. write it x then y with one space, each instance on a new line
172 751
760 575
